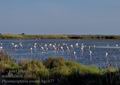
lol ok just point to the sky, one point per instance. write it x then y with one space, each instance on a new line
60 16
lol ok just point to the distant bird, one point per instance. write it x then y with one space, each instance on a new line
89 47
35 43
12 44
42 48
71 46
35 46
15 46
45 45
90 53
1 44
31 48
77 45
61 48
82 48
75 55
106 54
68 48
1 48
50 44
54 46
116 45
20 44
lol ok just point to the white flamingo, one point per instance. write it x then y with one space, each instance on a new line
1 44
82 48
15 46
35 46
77 45
90 53
75 55
106 54
50 44
1 48
116 45
68 48
31 49
12 44
62 48
35 43
42 48
20 44
71 46
45 45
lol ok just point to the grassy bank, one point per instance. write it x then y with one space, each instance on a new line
59 36
26 36
55 71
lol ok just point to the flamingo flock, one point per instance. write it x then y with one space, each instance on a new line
73 51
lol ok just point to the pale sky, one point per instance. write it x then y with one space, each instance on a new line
60 16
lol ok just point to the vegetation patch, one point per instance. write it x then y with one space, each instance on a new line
58 36
55 71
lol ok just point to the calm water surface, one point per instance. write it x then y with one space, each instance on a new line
91 52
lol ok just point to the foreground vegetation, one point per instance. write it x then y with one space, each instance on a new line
59 36
54 71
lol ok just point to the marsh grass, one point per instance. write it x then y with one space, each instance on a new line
57 71
58 36
28 36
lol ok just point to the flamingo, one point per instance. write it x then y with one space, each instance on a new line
45 45
35 46
75 55
106 54
71 46
50 44
42 48
35 43
77 45
116 45
31 49
90 53
1 48
20 44
12 44
1 44
82 48
68 48
15 46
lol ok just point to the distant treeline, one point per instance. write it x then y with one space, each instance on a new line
57 36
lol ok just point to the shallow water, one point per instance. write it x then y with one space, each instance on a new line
91 52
